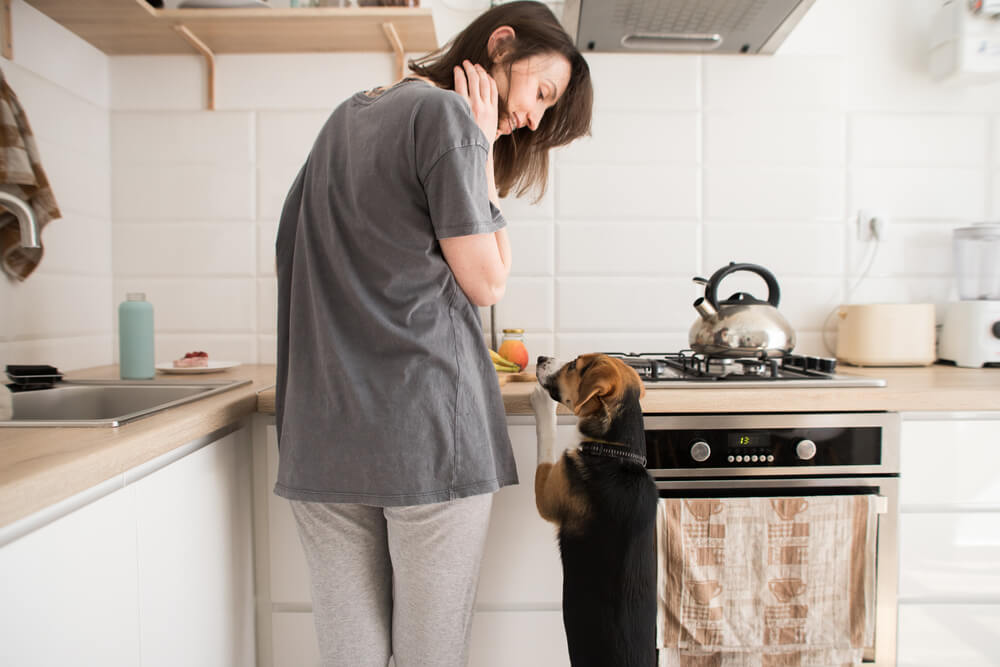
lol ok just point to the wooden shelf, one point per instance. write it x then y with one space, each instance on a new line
132 27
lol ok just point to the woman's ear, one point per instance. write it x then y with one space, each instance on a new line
498 42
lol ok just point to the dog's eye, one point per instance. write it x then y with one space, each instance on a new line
572 365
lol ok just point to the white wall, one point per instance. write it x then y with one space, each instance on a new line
62 314
695 161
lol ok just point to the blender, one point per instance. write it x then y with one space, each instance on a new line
970 334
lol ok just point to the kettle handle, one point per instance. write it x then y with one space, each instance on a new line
712 289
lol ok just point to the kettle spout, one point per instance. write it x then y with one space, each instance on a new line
704 308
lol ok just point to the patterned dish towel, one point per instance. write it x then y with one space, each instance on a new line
766 582
21 175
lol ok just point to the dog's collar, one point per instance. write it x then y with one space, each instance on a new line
612 451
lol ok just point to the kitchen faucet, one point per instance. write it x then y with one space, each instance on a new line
25 216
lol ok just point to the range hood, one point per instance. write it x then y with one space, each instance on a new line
687 26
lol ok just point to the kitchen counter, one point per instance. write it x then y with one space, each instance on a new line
40 467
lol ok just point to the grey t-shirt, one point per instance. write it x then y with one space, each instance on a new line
386 394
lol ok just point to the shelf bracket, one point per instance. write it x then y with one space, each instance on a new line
397 47
8 33
209 60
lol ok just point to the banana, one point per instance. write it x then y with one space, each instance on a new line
502 364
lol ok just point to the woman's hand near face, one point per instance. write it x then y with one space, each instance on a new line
479 89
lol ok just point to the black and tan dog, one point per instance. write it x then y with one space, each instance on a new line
604 503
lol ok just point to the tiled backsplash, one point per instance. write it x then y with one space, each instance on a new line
694 162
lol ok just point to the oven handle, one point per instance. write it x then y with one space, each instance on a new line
758 488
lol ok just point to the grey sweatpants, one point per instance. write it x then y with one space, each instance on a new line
394 581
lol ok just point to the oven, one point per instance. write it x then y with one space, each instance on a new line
797 455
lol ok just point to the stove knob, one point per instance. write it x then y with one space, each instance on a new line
700 451
996 329
805 450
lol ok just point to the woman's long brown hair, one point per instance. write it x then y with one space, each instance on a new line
521 159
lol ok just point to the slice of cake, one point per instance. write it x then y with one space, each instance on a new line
196 359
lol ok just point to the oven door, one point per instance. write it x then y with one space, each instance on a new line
883 653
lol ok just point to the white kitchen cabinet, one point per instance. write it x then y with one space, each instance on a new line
195 559
518 609
68 591
158 572
949 593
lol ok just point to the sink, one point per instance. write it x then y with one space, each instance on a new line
105 402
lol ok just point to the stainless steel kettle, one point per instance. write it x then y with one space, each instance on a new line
740 326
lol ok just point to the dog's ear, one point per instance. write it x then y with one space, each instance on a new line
600 380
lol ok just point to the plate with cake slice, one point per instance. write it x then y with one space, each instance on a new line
195 362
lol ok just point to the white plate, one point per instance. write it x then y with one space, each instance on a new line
213 367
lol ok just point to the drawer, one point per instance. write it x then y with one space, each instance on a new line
950 462
949 555
522 638
293 640
939 635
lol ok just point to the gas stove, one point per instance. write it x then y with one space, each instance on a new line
687 369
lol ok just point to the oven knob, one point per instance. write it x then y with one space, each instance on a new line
805 450
700 451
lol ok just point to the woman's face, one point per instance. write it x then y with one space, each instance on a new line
528 88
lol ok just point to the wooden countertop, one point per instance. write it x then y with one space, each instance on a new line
43 466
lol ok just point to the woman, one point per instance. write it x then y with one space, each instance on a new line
392 435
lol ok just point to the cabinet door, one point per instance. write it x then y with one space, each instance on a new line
950 462
195 559
289 572
521 638
521 565
949 556
946 635
68 590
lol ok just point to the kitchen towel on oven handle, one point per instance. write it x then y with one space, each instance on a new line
753 582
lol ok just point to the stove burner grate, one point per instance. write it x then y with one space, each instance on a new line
690 365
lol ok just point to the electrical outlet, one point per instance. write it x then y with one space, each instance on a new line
872 225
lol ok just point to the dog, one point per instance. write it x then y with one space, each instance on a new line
603 502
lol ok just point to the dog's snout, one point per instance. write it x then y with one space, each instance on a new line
542 359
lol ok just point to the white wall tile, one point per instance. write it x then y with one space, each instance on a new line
274 180
76 244
267 306
215 137
65 353
527 304
919 193
267 233
918 139
297 81
221 347
525 208
638 137
772 137
774 193
184 192
286 137
793 249
204 305
531 248
570 345
54 53
909 249
610 248
624 192
80 182
620 304
775 83
158 83
48 306
185 249
645 82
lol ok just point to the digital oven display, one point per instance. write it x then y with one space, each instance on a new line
756 440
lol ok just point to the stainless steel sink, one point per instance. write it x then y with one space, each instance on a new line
105 402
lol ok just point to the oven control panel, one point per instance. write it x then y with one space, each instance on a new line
782 447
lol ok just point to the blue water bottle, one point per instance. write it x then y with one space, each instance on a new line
135 337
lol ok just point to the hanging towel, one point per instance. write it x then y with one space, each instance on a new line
21 175
766 582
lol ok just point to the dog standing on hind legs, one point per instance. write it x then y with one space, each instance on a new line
603 502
